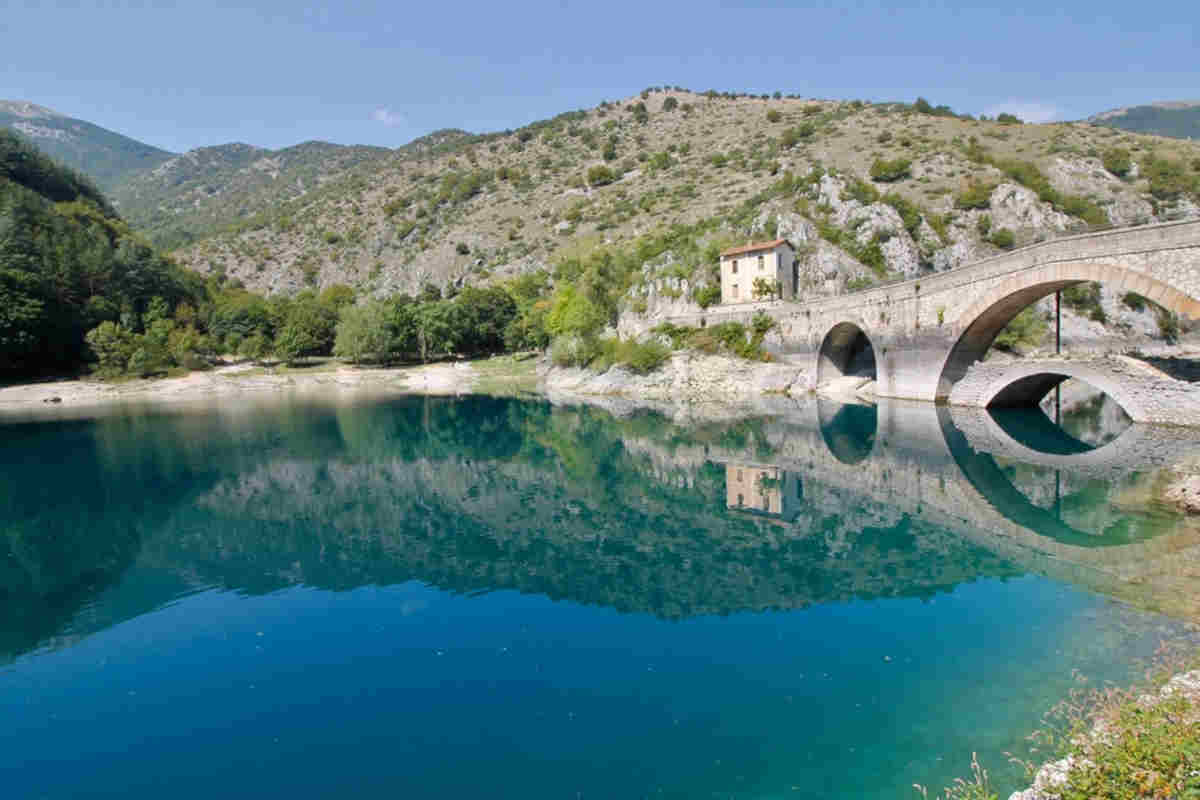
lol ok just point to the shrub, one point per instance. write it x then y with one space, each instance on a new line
984 225
661 161
1008 119
600 175
670 104
862 191
1117 161
1084 298
1168 325
975 195
1169 180
1003 238
462 249
774 116
573 350
765 287
909 212
644 357
706 296
1134 301
890 171
1026 330
1083 208
791 136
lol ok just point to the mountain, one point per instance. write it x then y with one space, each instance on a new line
1180 119
204 191
869 191
103 155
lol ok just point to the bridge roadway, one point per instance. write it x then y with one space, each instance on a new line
924 334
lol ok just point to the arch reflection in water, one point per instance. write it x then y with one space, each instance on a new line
848 429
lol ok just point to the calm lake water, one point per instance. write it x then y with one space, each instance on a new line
477 597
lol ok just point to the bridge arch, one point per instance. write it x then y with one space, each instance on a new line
845 350
983 320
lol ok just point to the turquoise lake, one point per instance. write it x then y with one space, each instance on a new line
479 597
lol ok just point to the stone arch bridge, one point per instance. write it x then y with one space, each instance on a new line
920 337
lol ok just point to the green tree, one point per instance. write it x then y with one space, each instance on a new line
112 346
483 315
256 348
365 330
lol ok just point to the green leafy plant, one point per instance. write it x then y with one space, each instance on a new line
1118 161
890 171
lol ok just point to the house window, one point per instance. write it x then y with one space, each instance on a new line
739 476
733 265
741 500
760 263
734 291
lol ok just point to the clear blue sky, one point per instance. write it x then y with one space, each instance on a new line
187 74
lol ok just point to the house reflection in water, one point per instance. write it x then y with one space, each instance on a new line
763 490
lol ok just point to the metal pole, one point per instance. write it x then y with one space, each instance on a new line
1058 351
1057 323
1058 495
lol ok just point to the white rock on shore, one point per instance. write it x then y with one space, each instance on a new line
685 378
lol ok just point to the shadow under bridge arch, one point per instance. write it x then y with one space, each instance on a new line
846 351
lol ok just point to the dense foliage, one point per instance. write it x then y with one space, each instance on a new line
68 263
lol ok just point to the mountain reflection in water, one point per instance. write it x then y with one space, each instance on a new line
109 519
635 513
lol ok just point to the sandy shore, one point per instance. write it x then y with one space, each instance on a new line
79 397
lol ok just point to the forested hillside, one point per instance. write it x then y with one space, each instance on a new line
68 263
79 289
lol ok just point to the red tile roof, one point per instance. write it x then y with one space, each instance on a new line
754 246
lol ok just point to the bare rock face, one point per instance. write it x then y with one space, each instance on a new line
963 250
1089 178
791 226
826 270
935 166
1017 208
882 221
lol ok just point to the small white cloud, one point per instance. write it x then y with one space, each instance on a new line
391 119
1027 112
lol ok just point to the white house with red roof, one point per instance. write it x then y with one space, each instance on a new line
759 271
